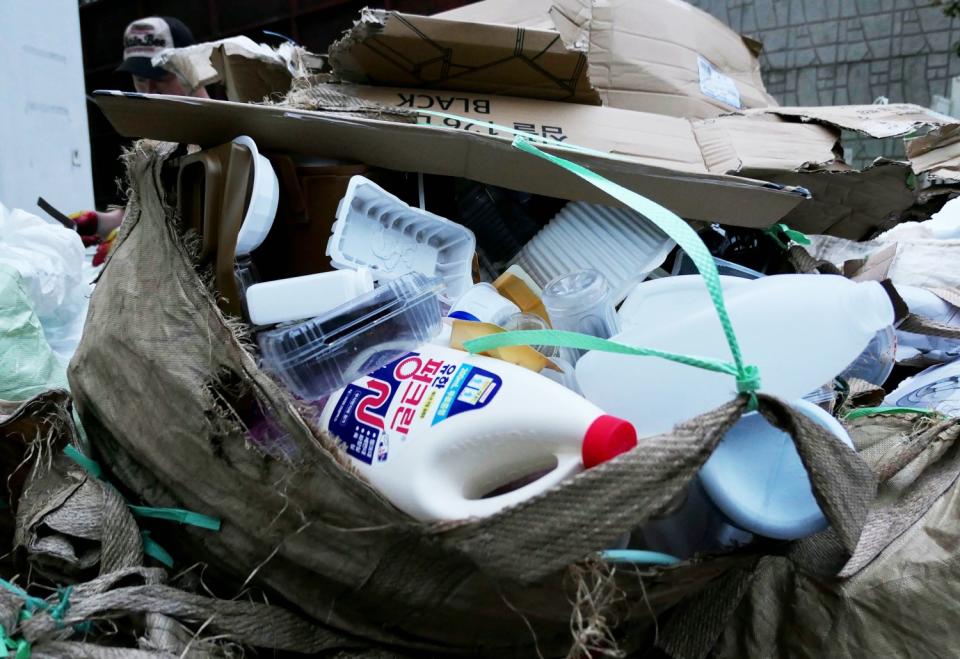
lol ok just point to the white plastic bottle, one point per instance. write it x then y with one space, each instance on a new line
799 330
447 435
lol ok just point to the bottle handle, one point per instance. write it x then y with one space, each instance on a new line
568 464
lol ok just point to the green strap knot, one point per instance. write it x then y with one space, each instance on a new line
748 380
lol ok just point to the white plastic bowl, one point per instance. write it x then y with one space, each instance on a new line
263 201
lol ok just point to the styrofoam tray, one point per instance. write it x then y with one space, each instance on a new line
621 244
376 230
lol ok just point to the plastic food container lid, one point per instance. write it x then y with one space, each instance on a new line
376 230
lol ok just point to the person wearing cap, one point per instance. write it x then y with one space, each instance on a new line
142 39
147 37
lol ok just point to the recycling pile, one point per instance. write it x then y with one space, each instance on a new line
454 355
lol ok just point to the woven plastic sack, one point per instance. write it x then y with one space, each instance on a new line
171 398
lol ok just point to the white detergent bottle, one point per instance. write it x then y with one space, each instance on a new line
447 435
799 330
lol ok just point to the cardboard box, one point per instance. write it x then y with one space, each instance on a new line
391 48
678 181
663 56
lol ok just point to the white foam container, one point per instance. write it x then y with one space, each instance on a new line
264 197
621 244
376 230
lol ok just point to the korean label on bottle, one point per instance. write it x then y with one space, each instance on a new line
416 389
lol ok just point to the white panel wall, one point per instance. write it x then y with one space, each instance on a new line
44 142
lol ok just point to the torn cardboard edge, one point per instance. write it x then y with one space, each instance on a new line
443 150
936 152
248 69
879 121
528 13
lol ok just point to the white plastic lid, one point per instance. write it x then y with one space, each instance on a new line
297 298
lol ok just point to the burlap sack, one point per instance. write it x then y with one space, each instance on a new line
165 389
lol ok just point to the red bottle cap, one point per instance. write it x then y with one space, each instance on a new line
606 438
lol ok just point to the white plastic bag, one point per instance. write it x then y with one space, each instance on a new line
51 263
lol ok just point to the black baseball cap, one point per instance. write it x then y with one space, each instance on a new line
147 37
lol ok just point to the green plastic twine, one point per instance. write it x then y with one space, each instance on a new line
20 648
747 377
869 411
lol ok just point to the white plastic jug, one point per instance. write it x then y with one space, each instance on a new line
800 330
447 435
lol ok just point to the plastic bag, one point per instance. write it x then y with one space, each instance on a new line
54 274
27 364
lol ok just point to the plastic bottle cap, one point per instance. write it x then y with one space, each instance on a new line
606 438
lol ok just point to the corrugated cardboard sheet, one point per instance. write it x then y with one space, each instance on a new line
663 160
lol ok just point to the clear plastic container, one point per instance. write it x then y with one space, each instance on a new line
581 302
619 243
321 355
683 265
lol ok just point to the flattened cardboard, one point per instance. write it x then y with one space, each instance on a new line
735 143
891 120
454 152
663 56
528 13
852 205
404 50
937 152
720 146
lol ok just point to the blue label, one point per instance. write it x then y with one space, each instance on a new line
471 388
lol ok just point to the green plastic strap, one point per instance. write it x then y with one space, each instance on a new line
868 411
178 515
777 230
90 466
172 514
154 550
563 339
748 377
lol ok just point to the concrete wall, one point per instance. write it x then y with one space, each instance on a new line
830 52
